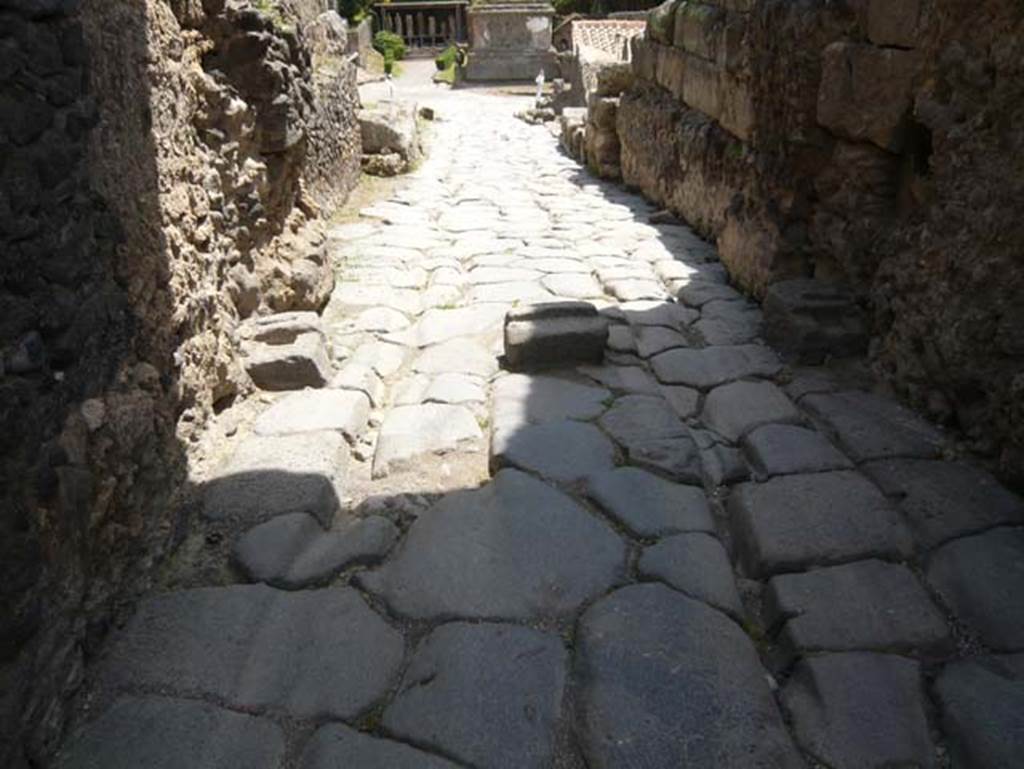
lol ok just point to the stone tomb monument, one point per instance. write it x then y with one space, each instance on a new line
510 40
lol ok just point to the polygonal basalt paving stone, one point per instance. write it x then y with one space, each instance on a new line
486 694
158 733
697 293
788 449
436 326
868 426
514 549
867 605
860 709
678 458
312 410
336 745
713 366
982 706
658 313
982 580
796 521
631 379
458 356
650 506
360 378
293 551
454 388
564 451
410 432
519 292
945 499
651 340
309 654
666 681
522 399
382 357
572 286
735 409
269 476
695 564
637 418
729 323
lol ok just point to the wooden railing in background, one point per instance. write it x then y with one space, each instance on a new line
424 25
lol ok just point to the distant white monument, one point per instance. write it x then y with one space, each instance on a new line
510 40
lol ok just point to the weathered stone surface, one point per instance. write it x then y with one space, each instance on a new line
859 709
867 605
391 127
381 319
982 704
316 410
639 418
522 399
442 325
870 427
727 322
293 551
650 506
788 449
651 340
945 499
461 356
667 681
486 694
683 400
281 474
796 521
866 93
697 293
735 409
159 733
334 745
564 451
454 388
572 286
621 339
552 334
981 578
382 357
409 432
309 654
276 364
361 378
695 564
809 320
514 549
668 314
679 458
714 365
632 379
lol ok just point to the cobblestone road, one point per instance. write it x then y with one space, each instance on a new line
691 555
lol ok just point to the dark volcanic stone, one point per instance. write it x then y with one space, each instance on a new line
796 521
564 451
868 426
336 745
868 605
982 580
514 549
558 333
650 506
788 449
945 499
293 551
312 654
158 733
486 694
695 564
860 709
666 681
982 705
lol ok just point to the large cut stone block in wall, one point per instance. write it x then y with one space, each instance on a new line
661 22
698 28
644 55
888 22
865 93
671 70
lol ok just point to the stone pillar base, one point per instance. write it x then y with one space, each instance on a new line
510 65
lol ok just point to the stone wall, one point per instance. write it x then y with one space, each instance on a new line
866 141
162 167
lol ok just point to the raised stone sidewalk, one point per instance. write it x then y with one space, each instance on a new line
690 555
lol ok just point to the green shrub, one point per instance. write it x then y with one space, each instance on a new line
355 10
448 57
390 46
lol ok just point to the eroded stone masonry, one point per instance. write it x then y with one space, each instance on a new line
289 482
